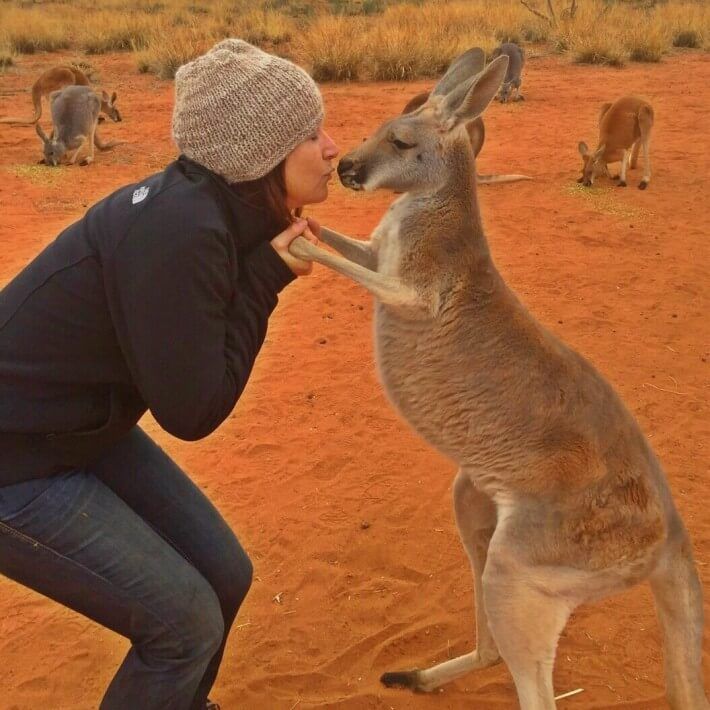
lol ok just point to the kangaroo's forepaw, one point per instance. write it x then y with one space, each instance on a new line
621 183
401 679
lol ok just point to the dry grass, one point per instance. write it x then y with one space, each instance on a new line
165 56
332 50
7 56
27 31
108 33
353 39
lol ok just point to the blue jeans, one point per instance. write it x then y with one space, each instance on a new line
133 544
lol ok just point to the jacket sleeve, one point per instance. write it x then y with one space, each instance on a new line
188 330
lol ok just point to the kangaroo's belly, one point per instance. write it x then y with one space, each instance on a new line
430 379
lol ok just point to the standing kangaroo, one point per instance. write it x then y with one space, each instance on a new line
559 499
57 78
75 113
476 130
514 74
624 127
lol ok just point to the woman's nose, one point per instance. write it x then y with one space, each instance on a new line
330 150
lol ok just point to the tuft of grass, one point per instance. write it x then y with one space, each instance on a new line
605 55
647 44
7 56
646 52
330 48
537 31
167 52
263 27
509 34
107 33
687 38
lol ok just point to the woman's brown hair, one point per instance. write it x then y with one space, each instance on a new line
269 193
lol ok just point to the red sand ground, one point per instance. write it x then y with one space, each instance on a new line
313 448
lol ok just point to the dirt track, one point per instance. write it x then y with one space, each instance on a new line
313 449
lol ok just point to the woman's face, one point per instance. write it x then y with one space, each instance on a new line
307 170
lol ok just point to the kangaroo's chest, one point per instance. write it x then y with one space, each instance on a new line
388 242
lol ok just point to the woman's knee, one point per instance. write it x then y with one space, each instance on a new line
194 628
235 579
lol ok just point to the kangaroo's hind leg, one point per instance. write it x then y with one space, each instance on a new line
645 119
72 160
623 168
679 603
635 155
526 622
476 521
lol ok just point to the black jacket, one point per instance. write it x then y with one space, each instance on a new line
157 299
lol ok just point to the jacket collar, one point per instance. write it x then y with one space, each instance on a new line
249 224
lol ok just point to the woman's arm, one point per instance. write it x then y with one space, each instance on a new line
190 331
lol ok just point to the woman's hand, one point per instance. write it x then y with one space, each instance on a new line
300 228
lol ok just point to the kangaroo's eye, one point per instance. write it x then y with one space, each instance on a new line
402 145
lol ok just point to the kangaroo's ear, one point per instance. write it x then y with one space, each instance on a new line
114 96
463 67
476 95
41 133
583 148
104 96
415 102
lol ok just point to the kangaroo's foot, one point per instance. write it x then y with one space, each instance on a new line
643 184
424 681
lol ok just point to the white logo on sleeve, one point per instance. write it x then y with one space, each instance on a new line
140 194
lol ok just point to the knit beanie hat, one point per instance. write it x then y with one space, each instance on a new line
240 111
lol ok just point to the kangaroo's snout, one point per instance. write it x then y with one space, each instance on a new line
344 165
350 173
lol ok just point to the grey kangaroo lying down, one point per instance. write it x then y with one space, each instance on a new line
559 499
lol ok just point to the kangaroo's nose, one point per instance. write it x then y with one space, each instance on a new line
345 165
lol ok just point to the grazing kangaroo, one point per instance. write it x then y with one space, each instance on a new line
75 113
624 127
513 76
57 78
559 499
476 129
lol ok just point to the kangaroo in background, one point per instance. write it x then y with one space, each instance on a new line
57 78
559 499
624 127
75 114
476 129
514 74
